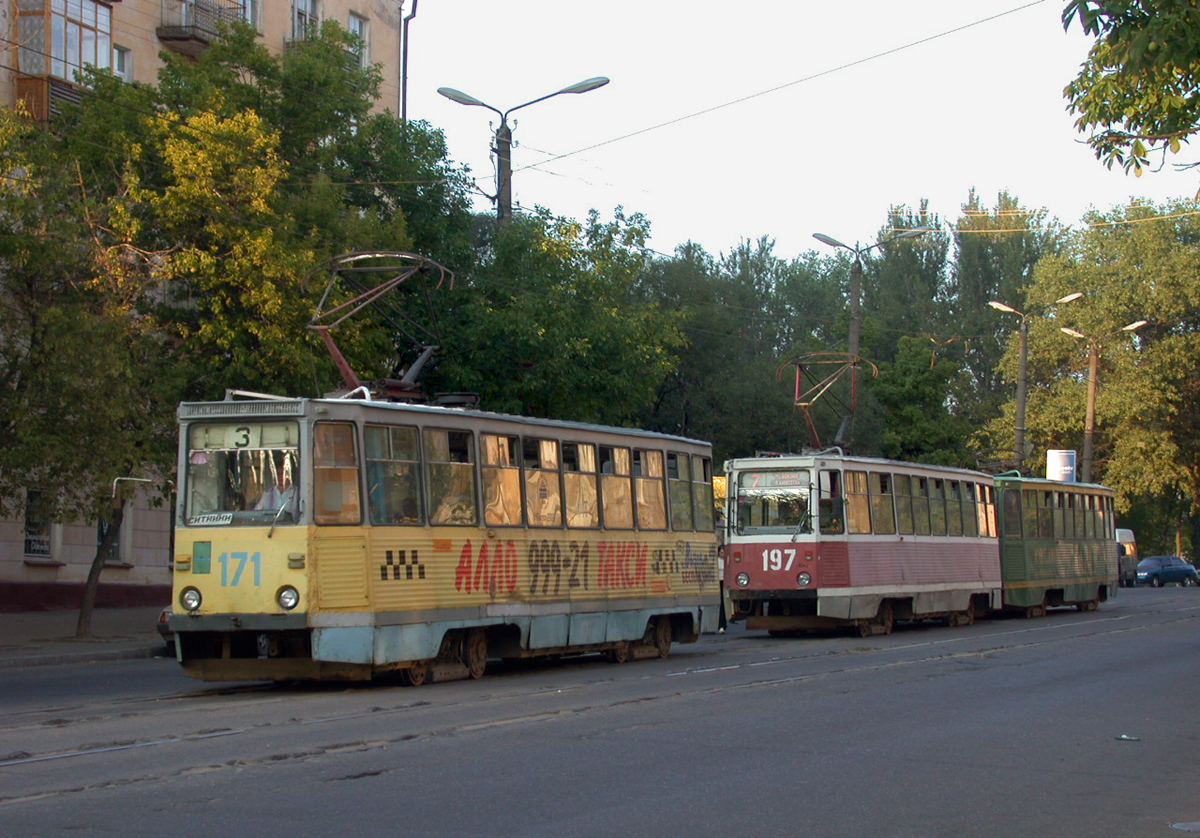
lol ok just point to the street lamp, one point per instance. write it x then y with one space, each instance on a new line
856 272
503 147
1089 422
1023 363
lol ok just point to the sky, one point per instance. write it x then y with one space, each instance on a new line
725 122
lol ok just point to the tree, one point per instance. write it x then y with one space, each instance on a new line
912 390
1132 264
80 404
551 324
743 317
995 252
1135 92
156 244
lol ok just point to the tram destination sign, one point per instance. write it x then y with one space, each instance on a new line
775 479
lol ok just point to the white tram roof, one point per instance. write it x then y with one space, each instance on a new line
809 459
264 405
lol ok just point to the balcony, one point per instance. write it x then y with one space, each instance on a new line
189 26
43 96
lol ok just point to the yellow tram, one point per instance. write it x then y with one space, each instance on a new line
343 538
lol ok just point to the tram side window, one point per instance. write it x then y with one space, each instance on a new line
616 488
579 481
1059 516
921 506
393 475
830 503
858 504
1045 514
1029 513
543 497
649 473
1012 513
883 513
954 510
335 474
679 490
501 481
937 506
985 505
1089 517
966 491
450 475
904 504
702 494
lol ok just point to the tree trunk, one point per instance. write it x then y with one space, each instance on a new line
84 627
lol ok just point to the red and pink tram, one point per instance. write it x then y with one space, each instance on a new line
824 539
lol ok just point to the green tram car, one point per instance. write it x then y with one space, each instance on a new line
1057 544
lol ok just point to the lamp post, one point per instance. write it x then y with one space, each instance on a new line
1089 422
856 273
503 147
1023 363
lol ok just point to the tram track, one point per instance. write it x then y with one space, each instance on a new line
243 728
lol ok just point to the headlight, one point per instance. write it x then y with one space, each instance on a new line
803 579
743 579
190 599
288 597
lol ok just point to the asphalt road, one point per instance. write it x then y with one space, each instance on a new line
1074 724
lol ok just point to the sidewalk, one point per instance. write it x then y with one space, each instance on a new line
47 638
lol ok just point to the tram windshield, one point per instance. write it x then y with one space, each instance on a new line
243 473
774 501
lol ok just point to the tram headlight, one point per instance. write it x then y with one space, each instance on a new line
742 579
190 599
288 597
803 579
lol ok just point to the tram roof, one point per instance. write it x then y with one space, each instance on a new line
259 404
778 461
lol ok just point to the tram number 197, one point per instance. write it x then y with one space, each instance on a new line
778 559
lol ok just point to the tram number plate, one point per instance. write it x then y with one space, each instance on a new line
233 566
777 559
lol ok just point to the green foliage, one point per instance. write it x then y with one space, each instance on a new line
920 425
1132 264
995 252
79 405
904 283
552 325
744 316
1135 92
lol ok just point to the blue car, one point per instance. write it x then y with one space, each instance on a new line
1162 570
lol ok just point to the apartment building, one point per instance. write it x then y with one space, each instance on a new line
44 564
50 40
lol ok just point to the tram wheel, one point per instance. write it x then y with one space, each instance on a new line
415 675
619 653
662 636
962 618
882 623
1088 605
476 652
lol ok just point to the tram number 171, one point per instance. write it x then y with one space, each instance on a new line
775 559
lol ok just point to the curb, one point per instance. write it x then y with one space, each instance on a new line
59 658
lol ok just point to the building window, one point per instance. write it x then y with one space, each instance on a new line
115 553
70 33
250 12
122 65
358 28
304 18
37 526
